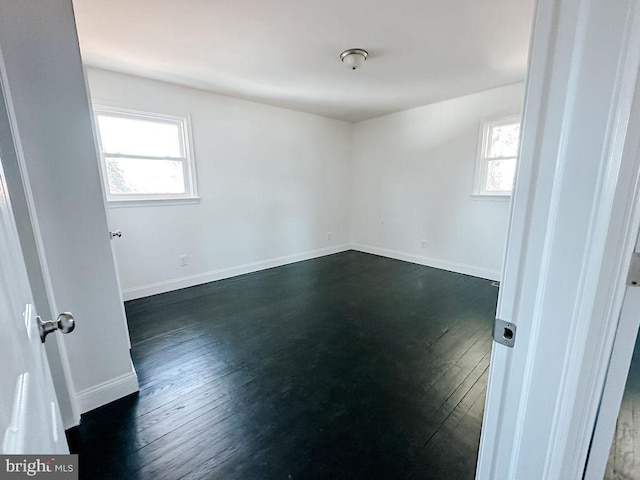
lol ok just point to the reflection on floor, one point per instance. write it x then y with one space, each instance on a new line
348 366
624 458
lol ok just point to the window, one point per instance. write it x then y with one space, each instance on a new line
498 156
145 156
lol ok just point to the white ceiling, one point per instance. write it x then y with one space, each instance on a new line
285 52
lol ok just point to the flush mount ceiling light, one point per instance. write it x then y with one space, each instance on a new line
354 57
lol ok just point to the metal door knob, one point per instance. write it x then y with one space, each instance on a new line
65 323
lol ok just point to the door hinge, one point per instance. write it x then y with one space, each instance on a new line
633 278
504 333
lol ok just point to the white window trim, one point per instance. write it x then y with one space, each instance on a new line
191 185
482 163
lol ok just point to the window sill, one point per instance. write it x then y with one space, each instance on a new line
158 202
491 196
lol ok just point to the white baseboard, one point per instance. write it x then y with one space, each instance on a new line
108 391
222 273
206 277
429 262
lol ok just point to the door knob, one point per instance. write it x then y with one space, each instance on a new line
115 234
65 323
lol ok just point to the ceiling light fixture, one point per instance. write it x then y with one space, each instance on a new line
354 57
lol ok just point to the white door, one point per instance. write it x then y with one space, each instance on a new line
114 233
30 420
575 209
616 381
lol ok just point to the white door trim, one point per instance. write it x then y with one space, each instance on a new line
570 237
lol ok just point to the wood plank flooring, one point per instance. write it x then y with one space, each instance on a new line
349 366
624 457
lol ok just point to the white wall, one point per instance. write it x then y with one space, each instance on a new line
273 183
413 181
48 105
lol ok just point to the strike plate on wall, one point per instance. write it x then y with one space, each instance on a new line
633 279
504 333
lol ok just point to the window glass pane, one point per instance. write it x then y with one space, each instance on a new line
500 175
503 140
131 136
131 176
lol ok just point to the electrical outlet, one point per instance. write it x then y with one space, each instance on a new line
184 260
423 243
328 235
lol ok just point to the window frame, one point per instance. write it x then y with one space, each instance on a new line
188 160
482 159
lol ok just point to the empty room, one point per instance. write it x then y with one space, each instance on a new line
261 240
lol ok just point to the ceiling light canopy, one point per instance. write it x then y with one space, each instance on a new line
354 57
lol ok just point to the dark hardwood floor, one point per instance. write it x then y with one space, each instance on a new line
624 457
349 366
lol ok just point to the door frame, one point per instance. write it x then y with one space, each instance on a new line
574 219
